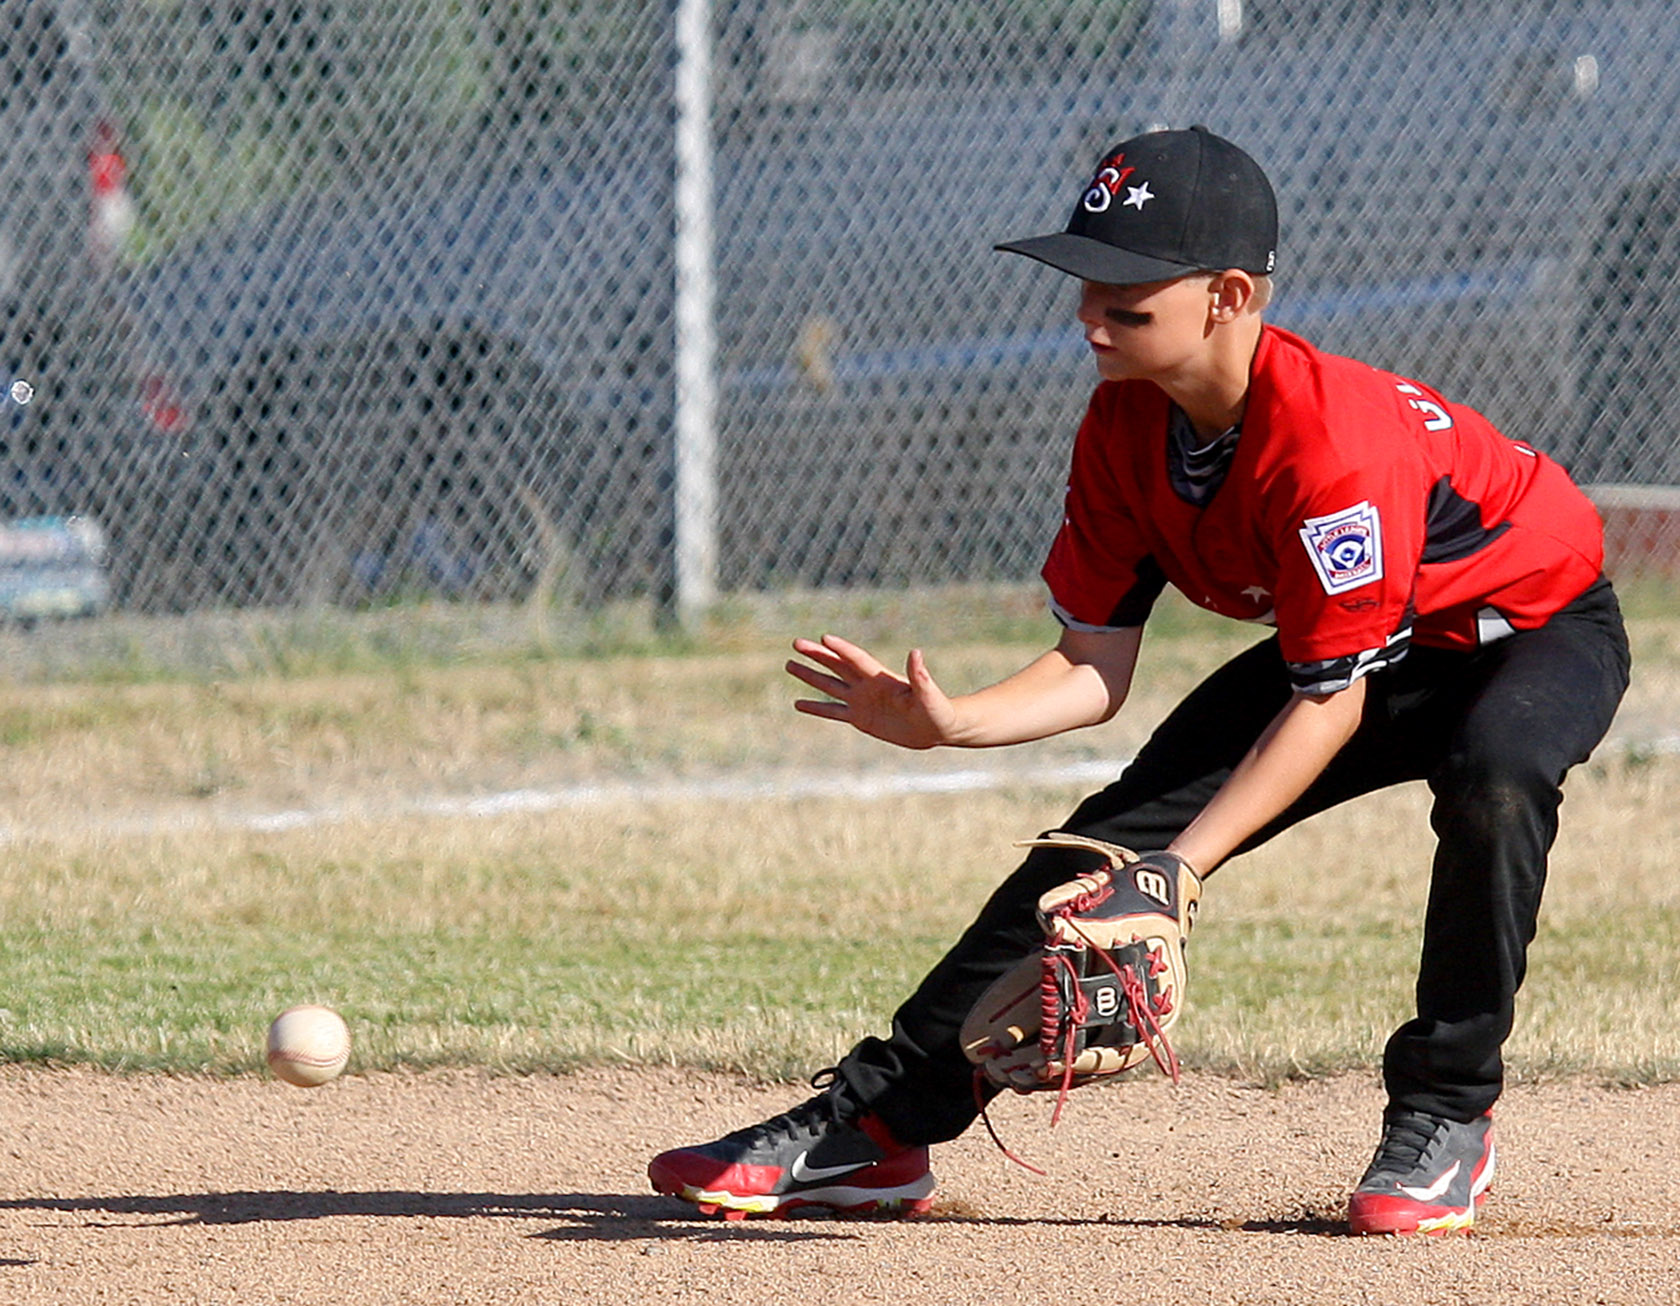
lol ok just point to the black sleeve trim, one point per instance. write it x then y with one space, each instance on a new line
1334 674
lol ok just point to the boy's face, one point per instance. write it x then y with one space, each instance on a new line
1149 331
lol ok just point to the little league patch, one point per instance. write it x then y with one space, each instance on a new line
1345 547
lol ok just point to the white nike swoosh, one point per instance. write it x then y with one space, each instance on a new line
1430 1193
805 1173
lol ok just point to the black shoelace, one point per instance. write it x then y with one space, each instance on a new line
809 1116
1406 1136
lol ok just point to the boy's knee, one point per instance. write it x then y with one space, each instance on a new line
1489 797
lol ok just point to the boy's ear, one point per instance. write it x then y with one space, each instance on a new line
1230 293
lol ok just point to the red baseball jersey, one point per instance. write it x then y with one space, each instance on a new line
1359 511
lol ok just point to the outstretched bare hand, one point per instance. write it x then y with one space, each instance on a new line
910 710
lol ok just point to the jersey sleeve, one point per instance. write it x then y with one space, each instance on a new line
1348 547
1101 571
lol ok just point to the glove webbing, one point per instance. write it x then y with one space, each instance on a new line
1143 1014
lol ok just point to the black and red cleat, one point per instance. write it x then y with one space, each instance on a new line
810 1156
1429 1175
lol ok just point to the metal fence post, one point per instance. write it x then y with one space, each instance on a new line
696 379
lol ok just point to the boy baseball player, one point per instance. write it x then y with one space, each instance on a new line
1440 614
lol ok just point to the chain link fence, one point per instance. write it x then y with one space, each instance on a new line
310 302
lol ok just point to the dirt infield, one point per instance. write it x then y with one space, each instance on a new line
458 1187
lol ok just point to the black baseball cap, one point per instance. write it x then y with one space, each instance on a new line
1161 205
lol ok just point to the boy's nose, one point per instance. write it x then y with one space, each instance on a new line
1088 314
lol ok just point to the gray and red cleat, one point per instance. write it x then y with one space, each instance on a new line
1429 1175
808 1156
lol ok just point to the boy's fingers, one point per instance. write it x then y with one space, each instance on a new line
816 679
852 654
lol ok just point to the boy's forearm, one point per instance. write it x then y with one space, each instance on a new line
1292 753
1047 697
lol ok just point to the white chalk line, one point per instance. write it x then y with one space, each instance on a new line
727 788
732 787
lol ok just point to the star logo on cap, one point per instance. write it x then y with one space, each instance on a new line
1137 197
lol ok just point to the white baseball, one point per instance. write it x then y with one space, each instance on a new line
308 1045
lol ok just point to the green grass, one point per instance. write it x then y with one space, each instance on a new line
167 1001
758 937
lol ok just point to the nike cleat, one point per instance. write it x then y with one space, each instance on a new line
807 1157
1429 1175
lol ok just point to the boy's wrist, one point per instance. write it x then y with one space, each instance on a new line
962 729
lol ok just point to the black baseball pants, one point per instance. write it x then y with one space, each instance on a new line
1493 731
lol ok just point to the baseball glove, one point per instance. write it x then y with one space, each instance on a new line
1108 983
